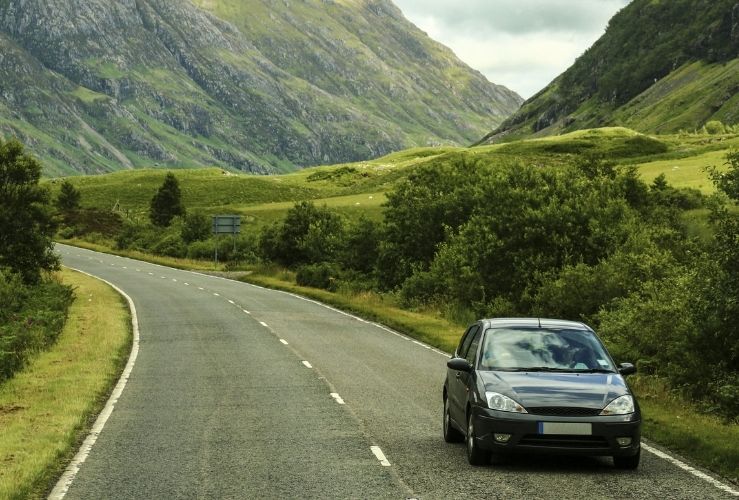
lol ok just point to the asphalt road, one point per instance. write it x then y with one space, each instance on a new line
236 393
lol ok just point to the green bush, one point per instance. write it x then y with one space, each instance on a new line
323 275
171 245
715 127
31 318
196 226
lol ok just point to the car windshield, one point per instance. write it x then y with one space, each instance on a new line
543 349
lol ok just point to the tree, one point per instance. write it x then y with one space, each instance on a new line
308 234
167 202
68 199
26 223
196 227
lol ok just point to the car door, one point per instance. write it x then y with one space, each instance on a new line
458 380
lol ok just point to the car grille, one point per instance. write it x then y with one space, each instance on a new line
564 411
564 441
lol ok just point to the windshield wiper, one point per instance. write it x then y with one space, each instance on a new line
595 370
543 369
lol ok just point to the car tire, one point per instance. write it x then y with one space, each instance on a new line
451 435
475 454
627 463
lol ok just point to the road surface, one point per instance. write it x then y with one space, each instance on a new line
242 392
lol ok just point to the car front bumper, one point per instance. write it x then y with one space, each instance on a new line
533 433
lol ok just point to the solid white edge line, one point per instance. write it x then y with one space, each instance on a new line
64 482
674 461
307 365
654 451
377 452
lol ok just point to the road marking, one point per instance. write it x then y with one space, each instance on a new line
138 270
231 302
124 267
151 274
62 486
163 277
264 324
337 398
247 312
283 341
307 365
174 279
380 456
187 284
718 484
216 294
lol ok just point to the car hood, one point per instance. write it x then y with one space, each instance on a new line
541 389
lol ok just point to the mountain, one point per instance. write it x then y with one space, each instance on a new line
256 85
660 67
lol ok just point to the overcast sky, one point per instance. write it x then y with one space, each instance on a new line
522 44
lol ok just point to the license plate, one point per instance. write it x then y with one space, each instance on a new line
567 428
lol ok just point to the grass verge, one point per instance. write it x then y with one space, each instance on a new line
669 421
47 409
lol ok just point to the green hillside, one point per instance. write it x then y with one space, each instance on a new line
359 188
660 67
250 85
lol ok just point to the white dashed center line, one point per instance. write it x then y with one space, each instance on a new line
377 452
307 365
264 324
247 312
283 341
216 294
231 302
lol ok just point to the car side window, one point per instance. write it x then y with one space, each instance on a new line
467 340
472 351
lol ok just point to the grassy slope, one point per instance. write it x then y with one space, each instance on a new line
46 409
359 188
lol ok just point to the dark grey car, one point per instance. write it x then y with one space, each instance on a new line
539 386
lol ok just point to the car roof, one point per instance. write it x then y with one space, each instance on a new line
534 323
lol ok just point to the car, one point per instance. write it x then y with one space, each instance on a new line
530 385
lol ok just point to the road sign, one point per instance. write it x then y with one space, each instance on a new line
226 224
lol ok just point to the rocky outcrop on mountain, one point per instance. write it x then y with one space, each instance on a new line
256 85
660 67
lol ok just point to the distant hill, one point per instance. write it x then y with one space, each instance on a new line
256 85
660 67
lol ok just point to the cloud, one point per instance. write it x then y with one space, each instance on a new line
522 44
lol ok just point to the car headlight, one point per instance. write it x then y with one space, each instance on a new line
619 406
497 401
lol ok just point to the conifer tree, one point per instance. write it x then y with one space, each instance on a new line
167 202
68 199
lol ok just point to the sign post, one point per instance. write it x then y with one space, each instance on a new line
226 224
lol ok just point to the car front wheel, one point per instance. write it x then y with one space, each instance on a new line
475 454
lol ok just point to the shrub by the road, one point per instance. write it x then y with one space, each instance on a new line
31 318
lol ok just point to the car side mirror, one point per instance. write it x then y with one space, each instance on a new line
626 369
459 364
